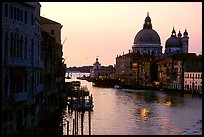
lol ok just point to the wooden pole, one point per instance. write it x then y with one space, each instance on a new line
89 122
77 128
67 127
73 127
82 119
75 121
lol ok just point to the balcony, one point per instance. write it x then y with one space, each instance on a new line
38 64
15 62
23 96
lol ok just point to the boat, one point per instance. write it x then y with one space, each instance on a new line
83 106
106 82
117 87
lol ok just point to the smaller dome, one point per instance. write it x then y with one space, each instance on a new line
179 34
173 42
185 33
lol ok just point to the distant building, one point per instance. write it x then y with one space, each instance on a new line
99 71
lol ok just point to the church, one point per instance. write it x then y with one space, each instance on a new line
139 65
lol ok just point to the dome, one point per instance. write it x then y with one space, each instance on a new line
147 36
173 42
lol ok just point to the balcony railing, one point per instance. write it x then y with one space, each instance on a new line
23 96
18 62
39 64
24 62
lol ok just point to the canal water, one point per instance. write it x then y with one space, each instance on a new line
138 112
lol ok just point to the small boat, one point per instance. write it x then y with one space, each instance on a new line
85 106
117 87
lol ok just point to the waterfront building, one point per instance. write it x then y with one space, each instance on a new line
172 68
21 65
123 68
53 75
193 74
144 71
99 71
146 43
146 65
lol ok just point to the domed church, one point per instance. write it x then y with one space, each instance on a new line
147 40
177 44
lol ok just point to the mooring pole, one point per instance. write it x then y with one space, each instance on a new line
67 127
89 122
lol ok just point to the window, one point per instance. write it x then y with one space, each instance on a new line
6 10
21 46
25 48
52 32
12 45
25 17
21 15
14 13
11 12
32 19
18 13
6 44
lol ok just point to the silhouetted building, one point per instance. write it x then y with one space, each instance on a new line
21 65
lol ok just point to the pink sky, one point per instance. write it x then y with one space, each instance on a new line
107 29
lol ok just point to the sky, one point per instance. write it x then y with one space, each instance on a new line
108 29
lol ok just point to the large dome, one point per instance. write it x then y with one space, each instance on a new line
147 36
173 42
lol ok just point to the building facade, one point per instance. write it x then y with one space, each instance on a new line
99 71
21 65
28 57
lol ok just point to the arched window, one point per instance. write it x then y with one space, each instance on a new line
12 45
25 47
21 46
6 44
32 49
15 45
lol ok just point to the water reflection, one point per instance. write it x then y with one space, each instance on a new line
144 113
139 112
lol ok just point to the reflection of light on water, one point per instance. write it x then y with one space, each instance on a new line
144 112
168 103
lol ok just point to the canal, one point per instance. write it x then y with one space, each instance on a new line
138 112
